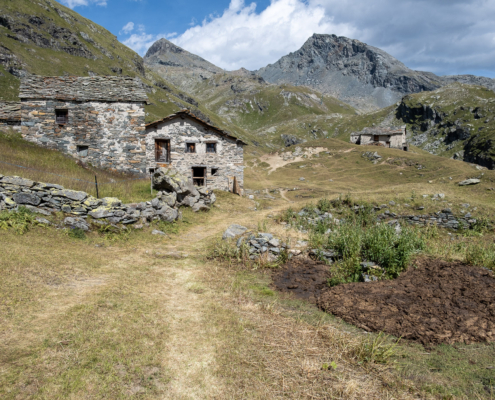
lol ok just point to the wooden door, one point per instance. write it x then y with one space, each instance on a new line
162 150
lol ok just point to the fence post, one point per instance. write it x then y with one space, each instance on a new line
151 184
96 185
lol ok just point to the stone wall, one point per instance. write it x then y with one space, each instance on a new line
107 135
47 198
228 159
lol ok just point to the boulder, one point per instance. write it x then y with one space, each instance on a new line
169 180
26 198
472 181
233 231
101 212
167 213
70 194
169 198
200 206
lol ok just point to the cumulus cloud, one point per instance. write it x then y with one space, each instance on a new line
442 36
76 3
242 37
127 28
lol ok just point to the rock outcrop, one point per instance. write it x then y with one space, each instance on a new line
361 75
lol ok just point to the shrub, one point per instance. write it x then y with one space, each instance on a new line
77 233
19 220
481 255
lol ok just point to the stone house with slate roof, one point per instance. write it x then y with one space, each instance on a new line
99 120
392 137
211 157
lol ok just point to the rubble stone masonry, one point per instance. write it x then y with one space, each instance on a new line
181 130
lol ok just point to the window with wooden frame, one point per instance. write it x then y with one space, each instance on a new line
376 138
61 117
199 176
214 171
211 147
190 147
162 150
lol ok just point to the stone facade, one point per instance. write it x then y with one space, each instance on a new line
99 120
195 148
380 136
10 115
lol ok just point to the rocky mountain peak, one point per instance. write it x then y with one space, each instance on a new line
359 74
165 53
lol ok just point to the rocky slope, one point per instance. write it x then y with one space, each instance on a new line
364 76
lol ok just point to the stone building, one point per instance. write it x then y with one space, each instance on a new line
210 156
99 120
10 115
382 136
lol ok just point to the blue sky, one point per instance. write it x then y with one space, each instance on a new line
442 36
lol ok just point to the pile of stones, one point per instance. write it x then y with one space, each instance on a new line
374 157
47 198
257 245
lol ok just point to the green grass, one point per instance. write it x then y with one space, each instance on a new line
44 165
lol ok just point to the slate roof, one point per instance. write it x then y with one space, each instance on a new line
380 130
77 88
187 113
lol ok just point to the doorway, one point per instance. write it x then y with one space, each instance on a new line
199 176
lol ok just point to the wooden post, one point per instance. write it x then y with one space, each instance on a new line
236 189
96 185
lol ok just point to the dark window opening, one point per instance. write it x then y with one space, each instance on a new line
62 116
214 171
376 138
211 147
82 151
199 176
162 150
152 170
190 147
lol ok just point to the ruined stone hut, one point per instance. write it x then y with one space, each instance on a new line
382 136
210 156
99 120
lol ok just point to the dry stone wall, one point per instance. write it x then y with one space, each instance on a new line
47 198
228 159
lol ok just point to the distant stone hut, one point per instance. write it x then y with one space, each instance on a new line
99 120
382 136
210 156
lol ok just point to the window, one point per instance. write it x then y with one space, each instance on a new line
190 147
62 116
214 171
82 151
199 174
376 138
211 147
162 150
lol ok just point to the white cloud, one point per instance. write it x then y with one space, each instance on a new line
241 37
127 28
77 3
442 36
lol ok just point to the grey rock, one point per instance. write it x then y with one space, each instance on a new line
266 236
291 140
169 180
101 212
274 242
70 194
38 210
213 198
76 222
167 213
200 206
43 221
233 231
18 181
169 199
157 232
302 179
471 181
26 198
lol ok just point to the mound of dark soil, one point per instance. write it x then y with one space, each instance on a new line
303 277
432 302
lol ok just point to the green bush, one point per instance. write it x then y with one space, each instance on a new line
77 233
481 255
